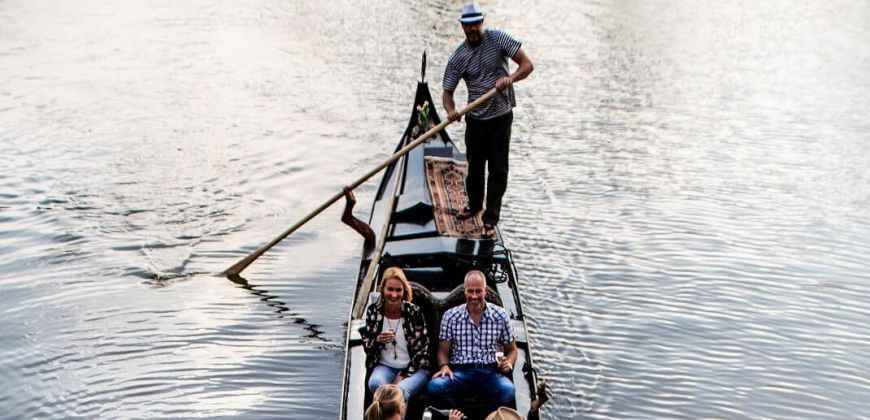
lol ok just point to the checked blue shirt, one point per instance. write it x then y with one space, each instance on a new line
475 343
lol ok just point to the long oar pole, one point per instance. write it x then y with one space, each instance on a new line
238 267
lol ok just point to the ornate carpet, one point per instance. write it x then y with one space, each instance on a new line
446 180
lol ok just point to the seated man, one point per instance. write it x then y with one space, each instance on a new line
470 335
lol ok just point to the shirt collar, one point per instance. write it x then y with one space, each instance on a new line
405 311
487 312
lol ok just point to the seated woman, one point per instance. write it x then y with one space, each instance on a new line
396 341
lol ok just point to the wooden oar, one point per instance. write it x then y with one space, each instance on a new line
238 267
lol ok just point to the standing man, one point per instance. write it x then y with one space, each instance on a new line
470 336
481 60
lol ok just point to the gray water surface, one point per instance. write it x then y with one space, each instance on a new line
688 201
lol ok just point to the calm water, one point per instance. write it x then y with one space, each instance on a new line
688 202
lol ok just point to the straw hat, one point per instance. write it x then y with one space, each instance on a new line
504 413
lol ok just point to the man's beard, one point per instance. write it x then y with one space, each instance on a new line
474 40
476 305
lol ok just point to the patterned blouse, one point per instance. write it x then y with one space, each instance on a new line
415 333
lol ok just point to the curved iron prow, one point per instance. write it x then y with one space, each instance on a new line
423 70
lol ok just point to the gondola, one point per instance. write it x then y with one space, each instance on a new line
409 223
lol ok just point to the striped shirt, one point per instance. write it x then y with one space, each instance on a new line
471 343
481 67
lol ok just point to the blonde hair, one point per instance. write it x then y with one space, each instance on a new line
387 402
398 274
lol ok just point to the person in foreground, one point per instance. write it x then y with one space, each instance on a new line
507 413
388 404
470 336
481 61
395 339
504 413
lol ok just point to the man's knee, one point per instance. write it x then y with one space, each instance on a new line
505 391
475 169
500 173
437 386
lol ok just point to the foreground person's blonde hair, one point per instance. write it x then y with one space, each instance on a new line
386 403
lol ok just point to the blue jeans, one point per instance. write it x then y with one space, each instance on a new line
447 392
410 386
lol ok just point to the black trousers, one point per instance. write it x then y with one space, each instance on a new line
487 144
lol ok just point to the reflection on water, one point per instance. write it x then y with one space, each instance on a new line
280 308
687 203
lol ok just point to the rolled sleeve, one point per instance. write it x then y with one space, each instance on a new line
510 45
445 333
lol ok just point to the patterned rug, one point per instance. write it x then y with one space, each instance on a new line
446 180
